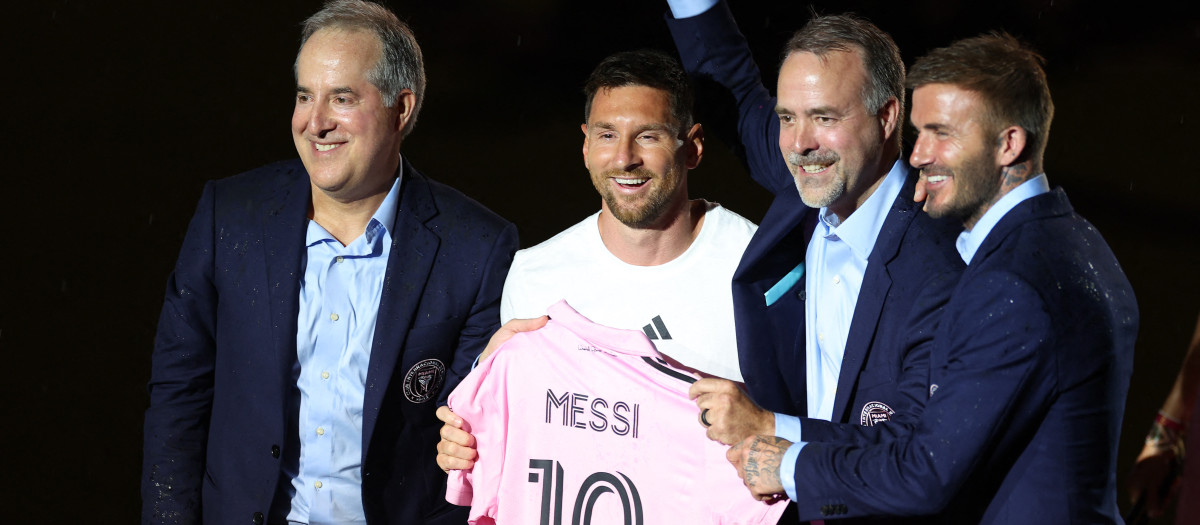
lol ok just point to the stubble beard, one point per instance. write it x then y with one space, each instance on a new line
816 193
649 209
976 184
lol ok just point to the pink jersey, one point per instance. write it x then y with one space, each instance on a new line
579 423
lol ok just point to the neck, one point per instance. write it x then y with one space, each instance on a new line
854 202
655 245
346 220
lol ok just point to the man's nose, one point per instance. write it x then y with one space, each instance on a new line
628 155
319 120
921 154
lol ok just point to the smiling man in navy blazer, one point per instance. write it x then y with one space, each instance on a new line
837 293
321 308
1032 358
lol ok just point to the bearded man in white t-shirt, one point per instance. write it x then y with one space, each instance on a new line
651 259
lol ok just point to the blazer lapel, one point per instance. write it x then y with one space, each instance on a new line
876 283
1052 204
285 219
414 248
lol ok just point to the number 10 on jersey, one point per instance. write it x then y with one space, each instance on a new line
550 474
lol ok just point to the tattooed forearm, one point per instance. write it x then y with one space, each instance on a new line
761 469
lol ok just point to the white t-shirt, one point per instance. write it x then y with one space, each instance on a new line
684 306
581 423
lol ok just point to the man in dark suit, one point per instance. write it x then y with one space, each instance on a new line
837 293
1032 358
321 308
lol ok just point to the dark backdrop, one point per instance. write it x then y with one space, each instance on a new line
117 113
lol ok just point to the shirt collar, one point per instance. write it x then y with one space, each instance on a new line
382 221
969 241
860 230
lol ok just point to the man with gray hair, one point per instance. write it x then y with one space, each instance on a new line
837 292
322 308
1032 357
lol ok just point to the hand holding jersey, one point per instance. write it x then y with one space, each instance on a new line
728 413
757 460
456 450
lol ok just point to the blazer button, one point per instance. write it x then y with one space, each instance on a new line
800 295
825 510
258 518
275 451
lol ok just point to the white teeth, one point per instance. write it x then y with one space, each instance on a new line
630 181
326 147
813 168
934 179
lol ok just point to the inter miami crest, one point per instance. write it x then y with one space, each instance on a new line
424 380
875 412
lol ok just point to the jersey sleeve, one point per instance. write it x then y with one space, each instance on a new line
481 401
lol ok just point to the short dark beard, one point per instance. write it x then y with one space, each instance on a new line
656 204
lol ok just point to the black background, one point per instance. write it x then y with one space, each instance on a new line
117 112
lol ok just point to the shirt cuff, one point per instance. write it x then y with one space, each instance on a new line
689 8
787 469
787 427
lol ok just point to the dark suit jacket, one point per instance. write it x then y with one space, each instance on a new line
1029 373
909 274
223 395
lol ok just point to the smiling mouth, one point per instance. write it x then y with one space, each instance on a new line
814 168
326 147
631 182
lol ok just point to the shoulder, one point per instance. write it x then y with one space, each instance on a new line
453 206
263 179
577 241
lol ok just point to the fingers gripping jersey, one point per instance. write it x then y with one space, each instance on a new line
578 423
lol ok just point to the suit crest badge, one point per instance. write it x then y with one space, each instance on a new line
424 380
875 412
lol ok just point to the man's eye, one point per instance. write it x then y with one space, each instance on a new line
825 120
785 119
303 97
342 100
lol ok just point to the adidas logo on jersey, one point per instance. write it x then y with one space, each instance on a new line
656 323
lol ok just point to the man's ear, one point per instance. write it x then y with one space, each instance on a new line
406 102
889 118
694 142
1011 146
585 145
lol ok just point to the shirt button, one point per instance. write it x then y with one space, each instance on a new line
320 431
317 484
324 375
338 259
333 317
837 279
820 337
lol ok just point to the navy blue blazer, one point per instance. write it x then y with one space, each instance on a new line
909 276
223 396
1029 371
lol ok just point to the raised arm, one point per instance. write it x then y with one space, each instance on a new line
728 81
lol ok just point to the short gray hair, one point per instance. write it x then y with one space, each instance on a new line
879 54
401 65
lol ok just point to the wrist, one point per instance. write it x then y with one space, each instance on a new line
1166 435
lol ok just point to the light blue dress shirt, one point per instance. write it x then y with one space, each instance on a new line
837 261
969 241
689 8
339 303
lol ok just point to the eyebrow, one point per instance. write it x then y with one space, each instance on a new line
335 91
819 110
657 126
